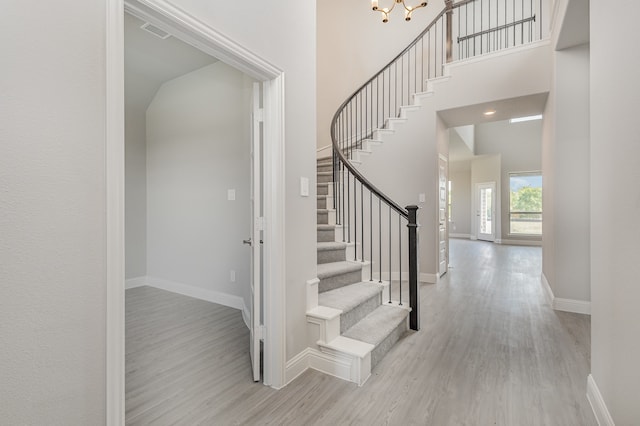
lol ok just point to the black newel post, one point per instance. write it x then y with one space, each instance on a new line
414 295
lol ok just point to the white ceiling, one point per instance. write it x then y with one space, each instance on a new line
150 61
504 110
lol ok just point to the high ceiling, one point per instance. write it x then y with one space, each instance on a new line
150 61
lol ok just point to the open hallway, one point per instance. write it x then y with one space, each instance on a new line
491 351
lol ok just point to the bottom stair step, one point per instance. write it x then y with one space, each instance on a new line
356 301
382 328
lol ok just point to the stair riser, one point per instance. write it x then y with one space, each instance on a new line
350 318
326 218
338 281
326 236
325 178
328 256
323 190
324 167
387 344
325 203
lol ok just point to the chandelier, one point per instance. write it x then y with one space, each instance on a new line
387 10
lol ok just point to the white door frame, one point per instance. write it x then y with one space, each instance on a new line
494 213
187 28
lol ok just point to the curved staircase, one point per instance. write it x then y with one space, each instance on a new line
356 327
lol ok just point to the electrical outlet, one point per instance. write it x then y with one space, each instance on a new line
232 276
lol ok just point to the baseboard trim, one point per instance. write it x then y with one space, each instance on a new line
326 363
571 305
463 236
600 410
212 296
511 242
135 282
547 290
296 366
428 278
246 315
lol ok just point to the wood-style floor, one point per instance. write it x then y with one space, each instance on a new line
491 351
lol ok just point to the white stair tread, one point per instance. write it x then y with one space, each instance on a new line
331 245
376 326
324 312
349 346
325 227
348 297
326 270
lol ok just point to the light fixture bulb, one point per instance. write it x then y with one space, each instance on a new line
386 11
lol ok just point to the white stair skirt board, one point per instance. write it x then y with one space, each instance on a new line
340 366
135 282
312 293
598 405
326 322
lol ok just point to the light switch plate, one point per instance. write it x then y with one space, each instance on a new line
304 186
422 198
231 194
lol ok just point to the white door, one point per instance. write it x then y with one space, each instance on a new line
485 211
255 333
443 220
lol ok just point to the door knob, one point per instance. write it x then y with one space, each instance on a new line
247 241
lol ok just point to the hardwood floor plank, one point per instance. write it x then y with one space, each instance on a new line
490 351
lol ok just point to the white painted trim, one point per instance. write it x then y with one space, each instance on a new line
135 282
535 243
297 365
333 363
312 293
498 241
189 29
463 236
114 217
325 151
429 278
599 407
212 296
274 303
246 315
498 53
571 305
547 289
185 27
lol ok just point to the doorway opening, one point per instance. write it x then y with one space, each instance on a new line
196 34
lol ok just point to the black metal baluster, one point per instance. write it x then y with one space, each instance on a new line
400 255
380 239
390 254
370 235
348 206
362 219
355 218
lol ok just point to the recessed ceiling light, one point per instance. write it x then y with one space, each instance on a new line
490 112
527 118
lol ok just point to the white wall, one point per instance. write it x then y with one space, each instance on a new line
283 33
615 207
52 192
198 147
135 188
354 44
52 213
519 146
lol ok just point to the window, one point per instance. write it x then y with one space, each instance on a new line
525 203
